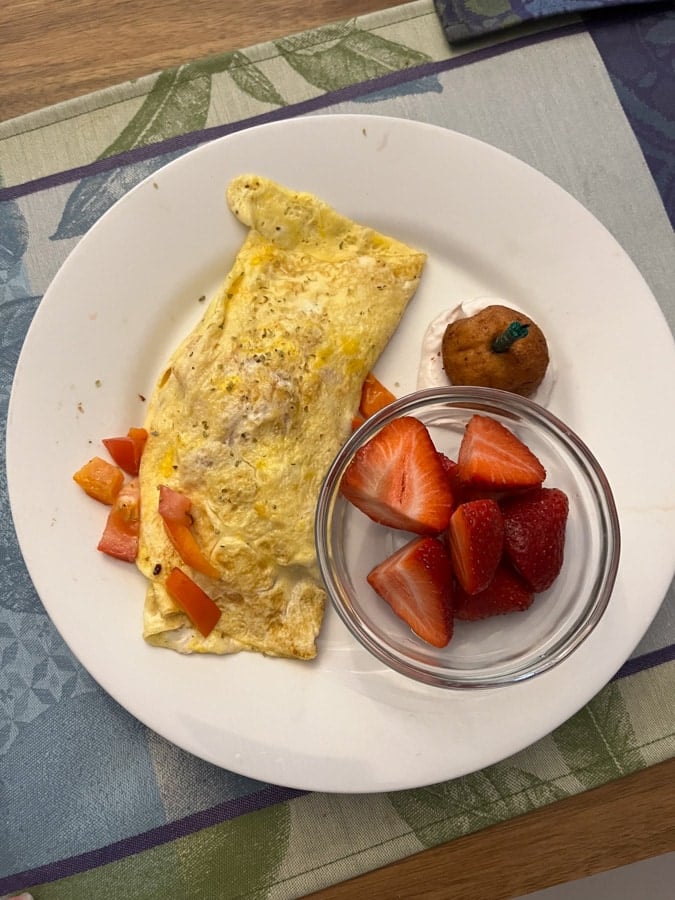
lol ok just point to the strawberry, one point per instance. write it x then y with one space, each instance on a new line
416 581
451 470
449 466
492 457
397 479
506 593
476 539
534 535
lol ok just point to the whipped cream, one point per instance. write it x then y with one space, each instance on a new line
431 372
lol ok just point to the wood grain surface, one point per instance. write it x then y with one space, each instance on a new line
53 50
625 821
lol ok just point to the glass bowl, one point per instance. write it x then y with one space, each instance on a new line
503 649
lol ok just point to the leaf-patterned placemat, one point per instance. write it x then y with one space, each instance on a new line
137 810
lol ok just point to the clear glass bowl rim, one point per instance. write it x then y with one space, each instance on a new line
473 398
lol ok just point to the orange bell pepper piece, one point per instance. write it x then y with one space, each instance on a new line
127 451
195 603
120 536
100 479
374 396
174 508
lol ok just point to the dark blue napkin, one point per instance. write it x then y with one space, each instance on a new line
466 19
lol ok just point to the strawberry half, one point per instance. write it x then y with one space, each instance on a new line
506 593
416 582
492 457
397 479
451 470
534 535
449 466
476 540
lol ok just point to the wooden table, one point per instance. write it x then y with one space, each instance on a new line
54 51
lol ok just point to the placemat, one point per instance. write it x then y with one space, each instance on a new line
95 805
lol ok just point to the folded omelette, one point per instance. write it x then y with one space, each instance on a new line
252 408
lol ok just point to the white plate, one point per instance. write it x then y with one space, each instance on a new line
129 291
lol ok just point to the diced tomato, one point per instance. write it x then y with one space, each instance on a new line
174 508
195 603
374 396
127 451
100 480
120 536
122 450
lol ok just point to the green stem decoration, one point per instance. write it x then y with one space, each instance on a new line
513 333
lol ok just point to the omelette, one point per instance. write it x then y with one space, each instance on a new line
251 409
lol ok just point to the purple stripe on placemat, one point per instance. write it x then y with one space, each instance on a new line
163 834
222 812
638 50
646 661
179 143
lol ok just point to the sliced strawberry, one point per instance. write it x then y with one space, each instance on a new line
476 540
492 457
534 535
416 582
397 479
506 593
461 493
449 465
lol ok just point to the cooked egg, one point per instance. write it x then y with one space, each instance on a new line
253 406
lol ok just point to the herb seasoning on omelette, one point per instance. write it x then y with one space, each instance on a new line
252 408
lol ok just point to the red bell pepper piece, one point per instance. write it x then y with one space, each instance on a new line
120 536
174 508
127 451
195 603
374 396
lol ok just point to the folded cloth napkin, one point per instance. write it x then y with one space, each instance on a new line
466 19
